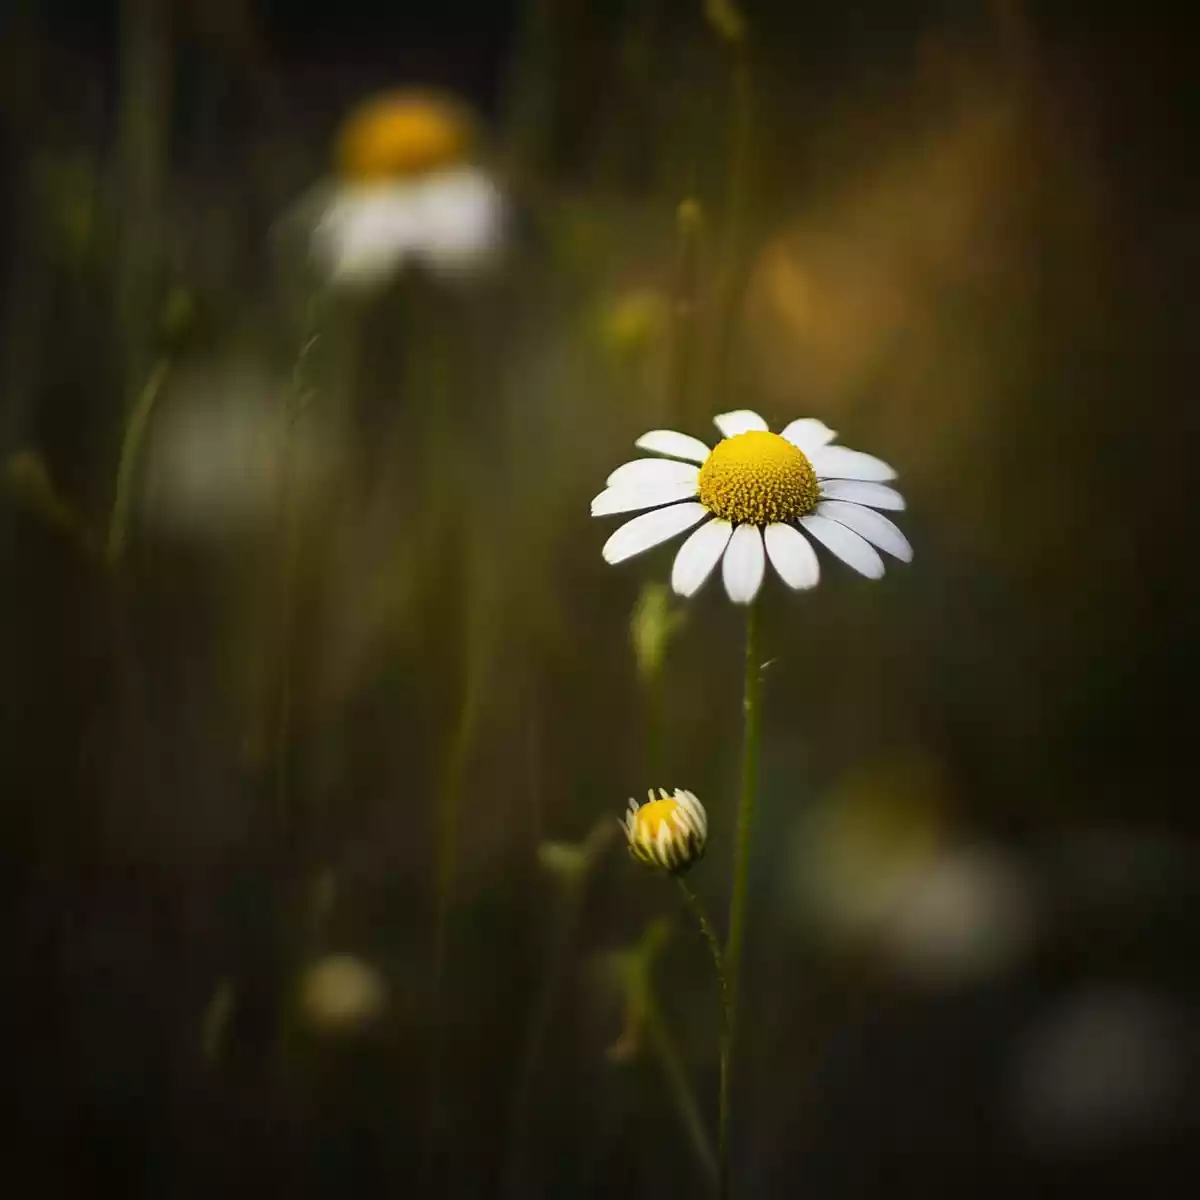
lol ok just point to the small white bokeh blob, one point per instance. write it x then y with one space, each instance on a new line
1104 1066
220 442
969 914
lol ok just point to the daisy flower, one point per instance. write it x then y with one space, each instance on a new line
407 191
755 495
668 832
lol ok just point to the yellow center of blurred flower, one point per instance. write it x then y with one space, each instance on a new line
402 133
758 478
651 816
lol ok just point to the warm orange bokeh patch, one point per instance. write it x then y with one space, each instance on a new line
402 133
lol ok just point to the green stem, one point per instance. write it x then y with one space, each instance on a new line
297 400
733 270
677 1083
447 814
448 806
710 936
718 957
684 308
143 128
741 867
131 448
538 1032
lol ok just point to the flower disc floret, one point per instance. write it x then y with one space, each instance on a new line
400 134
758 478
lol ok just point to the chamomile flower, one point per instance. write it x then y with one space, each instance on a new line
755 495
407 191
668 832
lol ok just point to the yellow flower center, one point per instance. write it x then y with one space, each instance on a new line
650 817
758 478
402 133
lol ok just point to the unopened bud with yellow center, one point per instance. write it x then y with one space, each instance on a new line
669 832
758 478
403 133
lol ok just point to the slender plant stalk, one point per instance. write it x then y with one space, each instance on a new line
542 1014
679 1086
689 221
718 957
449 804
131 449
297 400
741 868
733 268
143 123
447 817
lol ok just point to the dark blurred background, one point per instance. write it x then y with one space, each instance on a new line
318 703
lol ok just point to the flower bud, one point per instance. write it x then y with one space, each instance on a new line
669 832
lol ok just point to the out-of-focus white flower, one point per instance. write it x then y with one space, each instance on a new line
451 222
219 448
754 496
407 192
967 914
854 855
1105 1066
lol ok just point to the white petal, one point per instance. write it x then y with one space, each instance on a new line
741 421
692 806
651 528
366 232
792 556
462 218
632 497
846 544
877 495
838 462
698 555
677 445
866 522
743 564
652 470
808 434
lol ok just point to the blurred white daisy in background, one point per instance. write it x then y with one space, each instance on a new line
1107 1064
969 914
218 451
754 496
407 191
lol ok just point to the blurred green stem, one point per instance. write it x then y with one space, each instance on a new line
684 305
143 121
678 1085
654 695
741 869
298 397
714 948
732 277
527 102
538 1030
447 817
131 448
447 814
